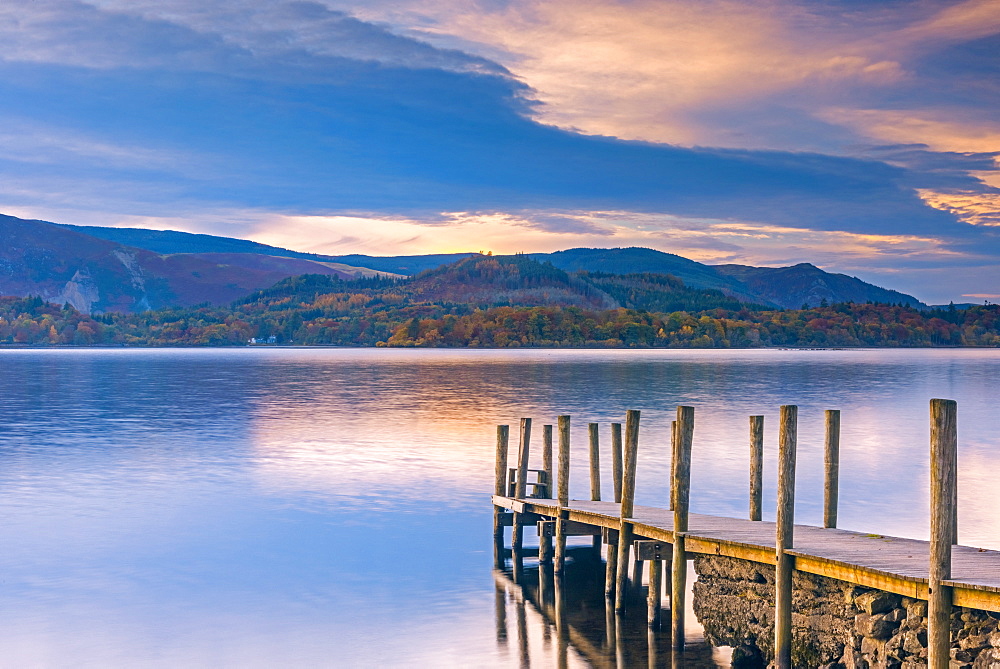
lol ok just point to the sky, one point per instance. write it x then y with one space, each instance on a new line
860 136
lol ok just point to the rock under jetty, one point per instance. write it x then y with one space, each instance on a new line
835 624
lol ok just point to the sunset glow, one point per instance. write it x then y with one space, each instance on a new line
862 138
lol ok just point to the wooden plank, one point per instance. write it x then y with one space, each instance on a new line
888 563
570 528
988 600
652 550
527 517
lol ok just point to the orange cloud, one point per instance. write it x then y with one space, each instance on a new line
927 127
970 207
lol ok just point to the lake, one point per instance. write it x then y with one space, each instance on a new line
330 507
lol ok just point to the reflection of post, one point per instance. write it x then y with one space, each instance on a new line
562 626
756 467
784 540
621 660
563 492
653 598
944 446
544 588
628 506
611 568
522 630
500 489
545 542
500 613
652 640
609 625
682 492
831 468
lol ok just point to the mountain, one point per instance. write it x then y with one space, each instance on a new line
523 281
173 242
791 287
241 266
94 275
637 260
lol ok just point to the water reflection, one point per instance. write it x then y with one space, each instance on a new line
283 507
572 610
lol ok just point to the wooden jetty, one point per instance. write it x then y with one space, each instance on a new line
940 572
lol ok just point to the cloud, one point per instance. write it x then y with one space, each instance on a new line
336 125
936 129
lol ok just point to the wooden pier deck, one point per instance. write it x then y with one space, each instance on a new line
877 561
944 574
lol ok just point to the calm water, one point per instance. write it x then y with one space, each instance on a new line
261 508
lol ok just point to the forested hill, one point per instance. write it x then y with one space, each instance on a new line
487 301
775 286
791 287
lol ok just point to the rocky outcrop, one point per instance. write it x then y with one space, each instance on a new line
836 624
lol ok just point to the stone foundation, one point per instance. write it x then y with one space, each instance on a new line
836 625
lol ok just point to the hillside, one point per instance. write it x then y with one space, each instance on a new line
768 286
64 266
636 260
788 287
806 284
505 280
173 242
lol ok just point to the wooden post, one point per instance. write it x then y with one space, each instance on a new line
682 492
595 471
595 462
522 459
521 485
616 459
944 446
954 493
628 506
545 542
500 489
787 436
563 492
673 463
617 466
831 468
653 597
521 618
611 569
756 467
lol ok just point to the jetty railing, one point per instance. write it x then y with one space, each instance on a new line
638 535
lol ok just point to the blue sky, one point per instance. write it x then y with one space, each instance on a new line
859 136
